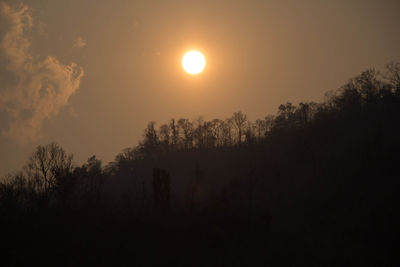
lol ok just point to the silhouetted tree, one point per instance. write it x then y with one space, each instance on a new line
174 129
393 76
90 176
47 165
187 129
239 120
151 140
227 134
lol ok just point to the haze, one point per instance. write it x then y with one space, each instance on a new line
127 71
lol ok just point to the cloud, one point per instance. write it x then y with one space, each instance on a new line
31 91
80 42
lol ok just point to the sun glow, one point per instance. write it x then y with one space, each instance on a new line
193 62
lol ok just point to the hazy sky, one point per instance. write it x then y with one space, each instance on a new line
89 75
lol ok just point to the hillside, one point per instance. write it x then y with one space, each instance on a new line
315 184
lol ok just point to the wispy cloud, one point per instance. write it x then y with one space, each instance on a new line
80 42
30 91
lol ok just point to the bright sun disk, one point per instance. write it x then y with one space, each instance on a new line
193 62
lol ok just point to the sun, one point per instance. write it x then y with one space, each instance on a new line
193 62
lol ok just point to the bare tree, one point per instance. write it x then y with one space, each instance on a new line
260 128
209 134
239 119
217 131
91 176
165 135
150 136
174 130
187 128
250 132
127 154
306 112
198 132
393 76
269 123
227 132
46 165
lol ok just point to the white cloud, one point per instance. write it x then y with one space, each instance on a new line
30 91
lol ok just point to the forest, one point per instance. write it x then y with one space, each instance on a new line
316 184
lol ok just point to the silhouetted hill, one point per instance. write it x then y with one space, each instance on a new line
316 185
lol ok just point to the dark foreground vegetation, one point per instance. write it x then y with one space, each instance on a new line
315 185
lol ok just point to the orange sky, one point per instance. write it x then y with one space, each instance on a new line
259 54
